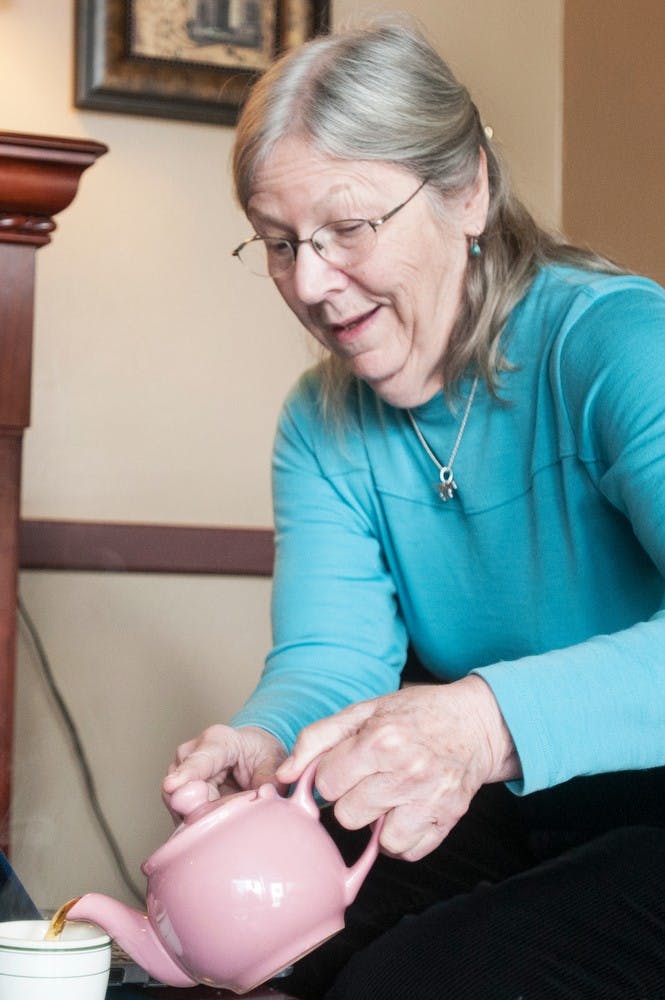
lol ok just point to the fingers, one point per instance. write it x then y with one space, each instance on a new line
198 765
414 847
321 736
417 817
229 760
207 758
425 815
416 758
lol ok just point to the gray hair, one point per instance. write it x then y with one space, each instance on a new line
381 92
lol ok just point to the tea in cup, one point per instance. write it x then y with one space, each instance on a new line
73 966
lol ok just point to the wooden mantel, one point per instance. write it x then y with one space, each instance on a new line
39 177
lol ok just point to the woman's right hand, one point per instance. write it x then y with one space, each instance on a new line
229 760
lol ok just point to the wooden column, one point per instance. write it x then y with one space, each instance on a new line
39 176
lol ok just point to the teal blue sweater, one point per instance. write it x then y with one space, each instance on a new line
545 574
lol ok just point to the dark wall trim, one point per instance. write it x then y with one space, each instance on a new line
145 548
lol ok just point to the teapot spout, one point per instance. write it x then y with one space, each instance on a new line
135 935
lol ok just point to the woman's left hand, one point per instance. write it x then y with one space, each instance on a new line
418 756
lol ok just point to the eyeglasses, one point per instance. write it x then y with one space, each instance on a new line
344 244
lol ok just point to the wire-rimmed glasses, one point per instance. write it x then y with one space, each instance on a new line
344 244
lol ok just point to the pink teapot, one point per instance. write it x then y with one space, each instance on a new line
243 887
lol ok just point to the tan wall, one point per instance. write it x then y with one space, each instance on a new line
159 369
614 132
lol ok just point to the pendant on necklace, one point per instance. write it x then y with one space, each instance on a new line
446 486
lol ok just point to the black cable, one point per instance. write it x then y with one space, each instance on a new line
79 752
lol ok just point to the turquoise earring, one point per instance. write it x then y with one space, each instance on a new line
474 247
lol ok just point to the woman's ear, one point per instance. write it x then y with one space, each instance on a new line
476 199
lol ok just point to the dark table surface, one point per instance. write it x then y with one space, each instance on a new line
192 993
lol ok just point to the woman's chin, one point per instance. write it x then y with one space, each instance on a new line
400 391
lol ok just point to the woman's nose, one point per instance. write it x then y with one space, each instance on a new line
315 277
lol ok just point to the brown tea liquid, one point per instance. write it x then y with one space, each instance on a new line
57 925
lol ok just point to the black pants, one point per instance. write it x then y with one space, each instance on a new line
560 894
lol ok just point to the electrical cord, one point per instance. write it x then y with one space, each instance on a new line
79 752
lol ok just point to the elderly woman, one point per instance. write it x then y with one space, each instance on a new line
473 479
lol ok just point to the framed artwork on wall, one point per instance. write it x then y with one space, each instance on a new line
188 59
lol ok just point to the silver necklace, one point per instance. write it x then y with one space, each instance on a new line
446 486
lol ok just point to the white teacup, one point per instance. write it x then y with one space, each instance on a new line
73 967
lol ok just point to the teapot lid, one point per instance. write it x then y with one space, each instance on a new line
200 816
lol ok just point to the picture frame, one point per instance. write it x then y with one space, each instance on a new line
192 60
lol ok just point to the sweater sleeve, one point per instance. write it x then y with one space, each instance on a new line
600 705
338 634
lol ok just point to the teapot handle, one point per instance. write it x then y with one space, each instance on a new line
303 793
303 796
356 874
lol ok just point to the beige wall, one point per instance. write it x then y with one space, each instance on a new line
614 131
158 372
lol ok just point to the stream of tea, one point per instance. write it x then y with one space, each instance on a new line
59 919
